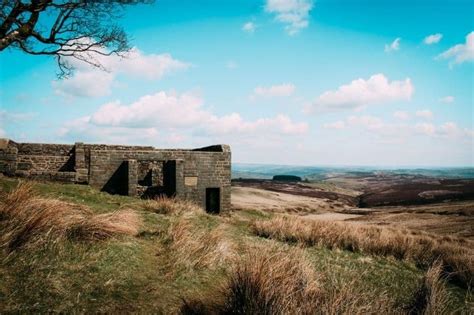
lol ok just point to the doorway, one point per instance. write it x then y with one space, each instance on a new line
213 200
169 178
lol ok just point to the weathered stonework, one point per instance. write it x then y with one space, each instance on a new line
128 170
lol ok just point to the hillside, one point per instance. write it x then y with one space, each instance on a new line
70 248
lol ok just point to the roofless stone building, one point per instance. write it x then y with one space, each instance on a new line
200 175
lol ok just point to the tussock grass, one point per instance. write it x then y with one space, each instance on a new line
432 296
269 281
165 205
196 249
455 257
28 219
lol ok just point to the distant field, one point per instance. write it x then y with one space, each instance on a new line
430 204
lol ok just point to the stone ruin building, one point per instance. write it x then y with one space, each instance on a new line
199 175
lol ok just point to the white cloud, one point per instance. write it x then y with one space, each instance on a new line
461 52
395 45
88 81
3 134
160 109
83 129
340 124
150 66
293 13
281 90
396 132
450 129
433 39
402 115
425 114
360 93
469 133
249 27
425 128
447 99
234 123
85 83
174 116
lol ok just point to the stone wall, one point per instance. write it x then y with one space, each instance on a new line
127 170
36 160
195 171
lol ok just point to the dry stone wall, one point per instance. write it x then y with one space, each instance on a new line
127 170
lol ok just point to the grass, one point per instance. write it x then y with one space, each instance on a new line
456 256
178 259
27 219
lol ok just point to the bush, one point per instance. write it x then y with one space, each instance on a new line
287 178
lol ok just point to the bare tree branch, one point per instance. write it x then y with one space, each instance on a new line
65 29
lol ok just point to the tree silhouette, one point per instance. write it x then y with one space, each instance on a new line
78 29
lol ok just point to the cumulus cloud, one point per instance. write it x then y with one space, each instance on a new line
174 116
249 27
85 83
433 39
450 129
425 114
461 52
234 123
83 129
395 45
281 90
425 128
360 93
396 132
402 115
293 13
447 99
447 130
160 109
88 81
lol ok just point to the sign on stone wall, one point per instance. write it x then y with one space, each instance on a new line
190 180
4 143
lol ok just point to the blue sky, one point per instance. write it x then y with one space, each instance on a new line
380 83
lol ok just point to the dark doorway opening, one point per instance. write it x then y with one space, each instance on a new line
118 182
213 200
169 178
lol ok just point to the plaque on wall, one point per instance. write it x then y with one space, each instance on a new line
190 180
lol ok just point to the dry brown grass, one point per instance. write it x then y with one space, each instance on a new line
165 205
26 218
456 257
432 297
194 248
268 281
